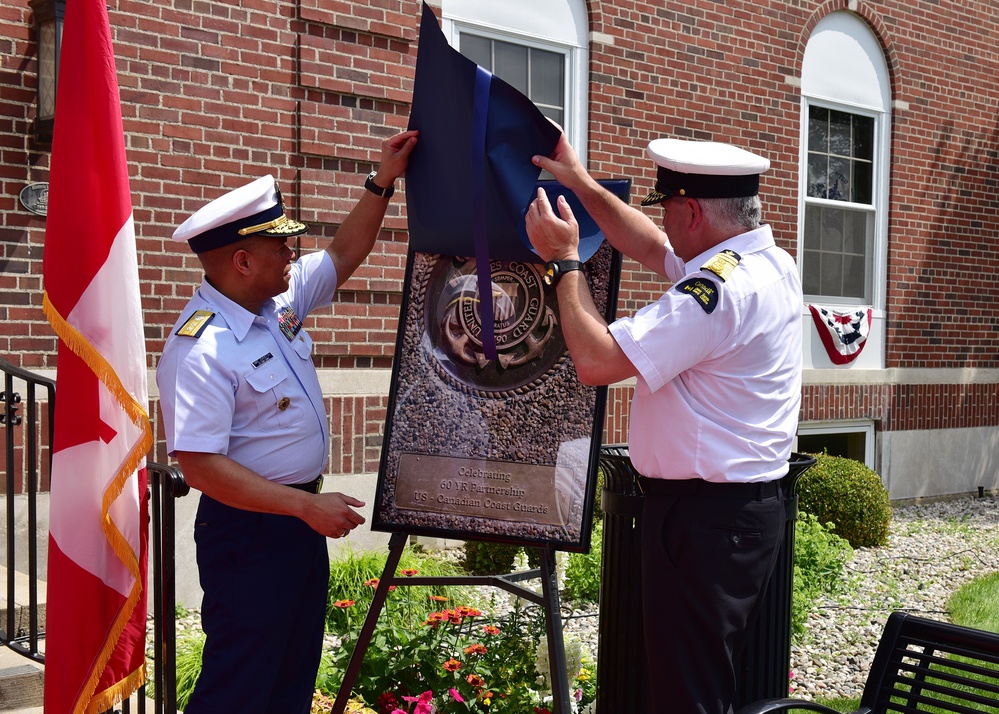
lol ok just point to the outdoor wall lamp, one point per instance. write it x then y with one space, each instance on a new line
48 17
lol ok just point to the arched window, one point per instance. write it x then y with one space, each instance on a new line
538 47
843 216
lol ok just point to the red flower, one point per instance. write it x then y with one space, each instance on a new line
410 572
387 703
438 598
491 630
343 604
475 649
452 665
476 681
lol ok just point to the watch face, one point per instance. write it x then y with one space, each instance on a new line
551 272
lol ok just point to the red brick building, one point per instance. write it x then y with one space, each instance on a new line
881 121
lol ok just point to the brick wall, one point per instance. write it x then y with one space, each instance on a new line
217 93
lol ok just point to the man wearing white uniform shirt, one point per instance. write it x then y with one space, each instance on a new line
244 416
717 366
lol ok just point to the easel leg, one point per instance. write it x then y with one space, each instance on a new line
553 627
396 545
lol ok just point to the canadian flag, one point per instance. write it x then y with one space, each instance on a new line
96 601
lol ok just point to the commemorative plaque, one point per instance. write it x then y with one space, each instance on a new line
498 449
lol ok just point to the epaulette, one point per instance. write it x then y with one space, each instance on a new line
723 264
196 323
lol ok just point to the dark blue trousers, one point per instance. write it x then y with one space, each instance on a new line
706 558
266 579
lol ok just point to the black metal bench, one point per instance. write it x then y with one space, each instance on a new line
920 666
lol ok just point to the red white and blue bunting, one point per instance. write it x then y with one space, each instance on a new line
843 332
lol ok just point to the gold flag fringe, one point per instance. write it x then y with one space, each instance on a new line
139 417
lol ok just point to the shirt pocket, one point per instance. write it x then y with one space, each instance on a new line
279 400
302 344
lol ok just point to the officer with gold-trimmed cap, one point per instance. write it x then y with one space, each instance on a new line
244 415
254 209
717 368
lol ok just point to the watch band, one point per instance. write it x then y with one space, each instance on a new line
555 269
369 183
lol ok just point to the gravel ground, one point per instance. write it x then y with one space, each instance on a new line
933 550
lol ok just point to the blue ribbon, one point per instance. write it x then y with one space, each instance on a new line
480 229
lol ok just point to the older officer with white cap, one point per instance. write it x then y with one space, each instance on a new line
717 368
244 416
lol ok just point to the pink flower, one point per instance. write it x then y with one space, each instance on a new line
455 694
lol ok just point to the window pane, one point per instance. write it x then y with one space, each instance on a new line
830 230
839 179
478 49
840 133
511 65
854 276
855 232
817 168
556 115
836 258
546 77
818 129
863 180
863 138
831 274
810 273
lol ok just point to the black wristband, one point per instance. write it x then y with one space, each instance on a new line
555 269
369 183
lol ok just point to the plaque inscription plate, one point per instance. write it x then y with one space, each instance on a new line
504 490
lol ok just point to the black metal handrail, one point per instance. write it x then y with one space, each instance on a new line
27 439
22 475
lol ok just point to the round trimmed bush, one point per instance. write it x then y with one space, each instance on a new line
849 495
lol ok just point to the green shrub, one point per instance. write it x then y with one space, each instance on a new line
819 558
189 649
848 494
582 570
354 575
487 558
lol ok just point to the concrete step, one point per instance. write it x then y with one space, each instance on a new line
21 602
22 686
21 679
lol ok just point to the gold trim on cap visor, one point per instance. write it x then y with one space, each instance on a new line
277 223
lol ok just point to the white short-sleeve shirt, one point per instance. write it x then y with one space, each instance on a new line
245 385
719 368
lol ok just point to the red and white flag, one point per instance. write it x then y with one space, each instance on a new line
98 520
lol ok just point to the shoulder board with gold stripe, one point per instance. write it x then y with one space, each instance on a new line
196 323
723 264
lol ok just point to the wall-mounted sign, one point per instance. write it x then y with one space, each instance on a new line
35 198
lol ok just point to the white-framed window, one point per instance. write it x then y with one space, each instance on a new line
539 48
849 439
840 222
844 169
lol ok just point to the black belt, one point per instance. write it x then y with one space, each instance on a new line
311 486
711 489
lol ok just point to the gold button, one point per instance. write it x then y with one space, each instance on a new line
283 403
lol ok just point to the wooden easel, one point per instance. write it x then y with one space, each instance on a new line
548 599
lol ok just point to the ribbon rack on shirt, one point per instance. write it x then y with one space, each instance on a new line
843 332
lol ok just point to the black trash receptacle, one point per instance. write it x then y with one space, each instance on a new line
620 644
761 669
